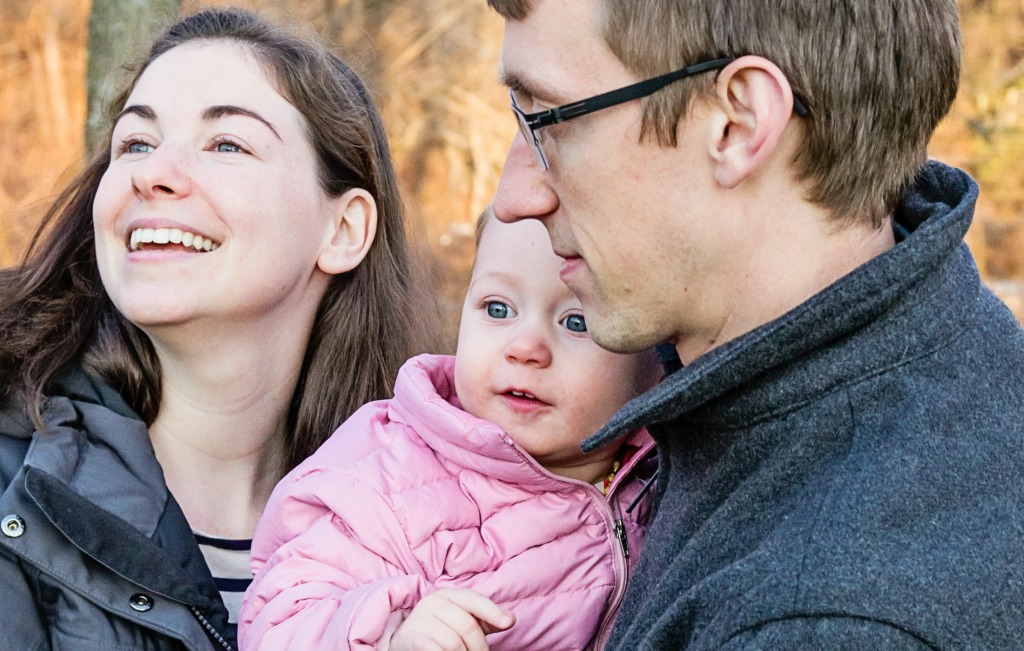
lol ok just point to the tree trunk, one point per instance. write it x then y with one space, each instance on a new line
120 33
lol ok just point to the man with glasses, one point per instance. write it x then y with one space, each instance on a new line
842 454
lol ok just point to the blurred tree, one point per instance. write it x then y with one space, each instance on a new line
42 102
119 31
432 67
984 134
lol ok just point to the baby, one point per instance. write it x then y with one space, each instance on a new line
462 513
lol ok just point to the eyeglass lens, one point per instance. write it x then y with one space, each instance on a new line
529 134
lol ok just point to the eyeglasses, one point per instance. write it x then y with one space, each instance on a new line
530 123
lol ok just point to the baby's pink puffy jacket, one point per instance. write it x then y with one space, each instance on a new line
412 495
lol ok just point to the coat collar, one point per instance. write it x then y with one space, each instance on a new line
95 478
425 400
897 306
99 449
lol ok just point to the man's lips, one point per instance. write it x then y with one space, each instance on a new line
565 254
571 261
568 267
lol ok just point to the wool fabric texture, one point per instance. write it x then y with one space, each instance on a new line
850 475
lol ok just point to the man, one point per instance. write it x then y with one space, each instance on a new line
842 455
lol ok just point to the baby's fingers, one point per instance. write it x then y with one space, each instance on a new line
450 620
492 618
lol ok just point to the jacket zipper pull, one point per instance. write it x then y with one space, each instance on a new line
620 533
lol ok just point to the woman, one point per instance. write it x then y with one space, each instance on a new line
211 298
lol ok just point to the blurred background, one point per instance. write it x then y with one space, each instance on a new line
432 66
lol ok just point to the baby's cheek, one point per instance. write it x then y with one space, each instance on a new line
623 378
640 372
466 381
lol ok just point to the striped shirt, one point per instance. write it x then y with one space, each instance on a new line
228 561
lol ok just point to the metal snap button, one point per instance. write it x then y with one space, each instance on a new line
12 526
140 602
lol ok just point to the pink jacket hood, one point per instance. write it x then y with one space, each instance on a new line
412 495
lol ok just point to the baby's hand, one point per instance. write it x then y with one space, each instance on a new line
451 620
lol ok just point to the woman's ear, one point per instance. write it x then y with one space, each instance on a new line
756 104
353 227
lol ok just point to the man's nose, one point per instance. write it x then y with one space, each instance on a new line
523 191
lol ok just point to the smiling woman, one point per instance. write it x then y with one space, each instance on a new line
218 290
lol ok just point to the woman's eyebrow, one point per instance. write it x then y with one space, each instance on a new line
141 110
211 113
220 110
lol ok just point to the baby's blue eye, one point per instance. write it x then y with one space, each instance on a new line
228 147
497 310
575 323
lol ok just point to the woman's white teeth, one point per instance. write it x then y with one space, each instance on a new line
170 236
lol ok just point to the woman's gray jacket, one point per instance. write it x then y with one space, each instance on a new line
94 551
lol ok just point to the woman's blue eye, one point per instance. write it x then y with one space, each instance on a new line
138 147
575 323
228 147
497 310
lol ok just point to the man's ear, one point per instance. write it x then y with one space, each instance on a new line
352 229
756 103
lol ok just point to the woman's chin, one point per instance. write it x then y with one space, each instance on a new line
152 315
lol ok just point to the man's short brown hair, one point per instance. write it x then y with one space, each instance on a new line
877 76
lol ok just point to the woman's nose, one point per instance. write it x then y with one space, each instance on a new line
528 345
163 173
523 191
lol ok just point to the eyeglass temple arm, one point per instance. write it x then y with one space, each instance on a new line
620 95
634 91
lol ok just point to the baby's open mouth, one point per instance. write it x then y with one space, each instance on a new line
522 394
144 239
525 398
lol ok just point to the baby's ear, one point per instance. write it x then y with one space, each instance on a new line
351 232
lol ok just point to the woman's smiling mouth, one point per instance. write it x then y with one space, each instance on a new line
176 238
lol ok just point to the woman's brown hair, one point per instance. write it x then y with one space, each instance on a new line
55 312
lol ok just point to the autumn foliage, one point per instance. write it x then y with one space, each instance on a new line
432 65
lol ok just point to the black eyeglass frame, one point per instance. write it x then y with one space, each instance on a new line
529 123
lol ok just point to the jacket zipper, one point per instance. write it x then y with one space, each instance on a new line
620 533
621 568
210 630
620 553
620 559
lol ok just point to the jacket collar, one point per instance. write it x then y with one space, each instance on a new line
425 400
94 476
101 451
897 306
110 541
